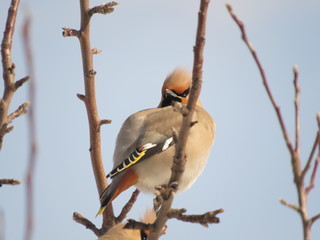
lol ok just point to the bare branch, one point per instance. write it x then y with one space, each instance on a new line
22 109
105 121
315 218
32 131
126 209
263 76
103 9
77 217
308 164
290 205
313 175
296 104
294 152
317 161
179 159
81 97
89 99
69 32
9 182
8 69
20 82
203 219
96 51
6 45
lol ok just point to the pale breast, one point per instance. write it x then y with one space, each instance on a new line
157 169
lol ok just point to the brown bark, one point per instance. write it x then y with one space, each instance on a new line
298 174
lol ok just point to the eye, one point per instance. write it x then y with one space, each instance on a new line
185 93
143 235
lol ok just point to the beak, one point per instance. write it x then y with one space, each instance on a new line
174 95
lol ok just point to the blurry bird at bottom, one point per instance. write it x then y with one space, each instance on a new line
144 148
117 232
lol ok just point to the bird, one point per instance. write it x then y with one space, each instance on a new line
118 232
144 149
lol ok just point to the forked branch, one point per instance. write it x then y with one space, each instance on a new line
9 182
10 86
89 98
179 160
298 173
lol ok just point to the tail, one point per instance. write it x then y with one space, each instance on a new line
119 184
105 198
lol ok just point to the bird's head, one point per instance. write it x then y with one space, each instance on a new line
176 87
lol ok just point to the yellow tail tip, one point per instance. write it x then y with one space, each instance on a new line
100 211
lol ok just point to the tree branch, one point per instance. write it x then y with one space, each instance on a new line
308 164
8 70
263 75
126 209
103 8
317 161
179 159
32 130
77 217
203 219
22 109
20 82
294 152
89 98
9 182
290 205
315 218
96 51
296 104
105 122
69 32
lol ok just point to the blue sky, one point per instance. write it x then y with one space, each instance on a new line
142 41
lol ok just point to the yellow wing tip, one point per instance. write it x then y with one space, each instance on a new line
101 210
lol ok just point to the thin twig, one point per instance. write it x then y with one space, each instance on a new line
315 218
20 82
294 152
179 159
96 51
296 107
290 205
32 131
316 163
8 69
77 217
103 8
105 122
89 98
313 175
69 32
10 182
6 45
126 209
203 219
313 150
263 76
22 109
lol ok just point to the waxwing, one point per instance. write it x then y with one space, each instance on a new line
145 148
118 232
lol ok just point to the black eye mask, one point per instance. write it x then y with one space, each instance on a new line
143 235
168 98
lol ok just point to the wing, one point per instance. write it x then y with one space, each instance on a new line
143 135
140 153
